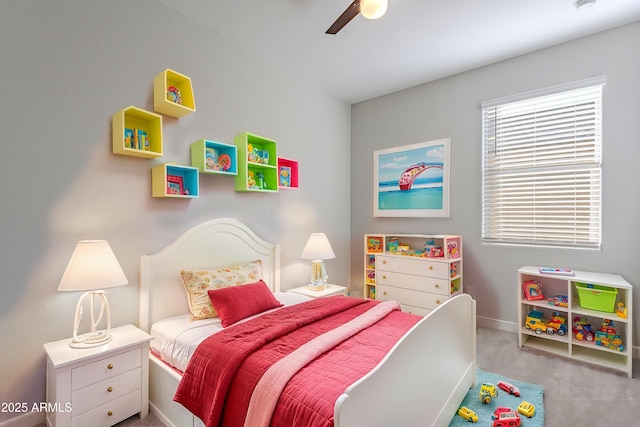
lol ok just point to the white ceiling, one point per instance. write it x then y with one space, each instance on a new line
417 41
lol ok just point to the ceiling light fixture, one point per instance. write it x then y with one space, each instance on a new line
583 4
374 9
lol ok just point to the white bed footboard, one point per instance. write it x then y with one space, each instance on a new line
424 378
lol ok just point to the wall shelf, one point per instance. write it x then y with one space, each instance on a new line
287 174
161 102
137 132
212 157
257 164
174 181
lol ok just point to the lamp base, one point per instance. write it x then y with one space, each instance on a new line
90 340
94 338
318 287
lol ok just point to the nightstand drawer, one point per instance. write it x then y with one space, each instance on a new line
411 265
106 368
415 310
105 391
416 283
110 413
409 297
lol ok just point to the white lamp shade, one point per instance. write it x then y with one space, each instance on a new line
317 248
92 266
373 9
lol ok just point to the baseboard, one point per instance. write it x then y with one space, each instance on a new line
501 325
29 419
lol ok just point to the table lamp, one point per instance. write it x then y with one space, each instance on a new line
317 250
92 267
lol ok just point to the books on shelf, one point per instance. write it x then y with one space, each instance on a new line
532 290
136 139
556 271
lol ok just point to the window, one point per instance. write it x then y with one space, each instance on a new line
541 167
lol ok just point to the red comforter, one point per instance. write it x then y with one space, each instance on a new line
223 372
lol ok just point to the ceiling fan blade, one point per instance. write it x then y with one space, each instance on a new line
351 12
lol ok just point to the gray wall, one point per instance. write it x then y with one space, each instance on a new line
66 67
451 108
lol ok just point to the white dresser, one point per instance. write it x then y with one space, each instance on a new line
418 284
98 386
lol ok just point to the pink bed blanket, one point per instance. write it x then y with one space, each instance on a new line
220 380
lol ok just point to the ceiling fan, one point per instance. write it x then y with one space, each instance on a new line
370 9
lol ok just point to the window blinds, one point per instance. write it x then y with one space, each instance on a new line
541 168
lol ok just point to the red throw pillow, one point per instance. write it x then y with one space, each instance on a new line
237 302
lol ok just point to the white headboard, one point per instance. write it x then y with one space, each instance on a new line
213 244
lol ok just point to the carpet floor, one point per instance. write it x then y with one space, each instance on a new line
531 393
575 394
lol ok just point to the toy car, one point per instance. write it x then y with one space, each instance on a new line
468 414
509 388
582 329
507 419
487 392
527 409
558 324
535 323
499 410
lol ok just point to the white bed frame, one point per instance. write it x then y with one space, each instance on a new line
421 381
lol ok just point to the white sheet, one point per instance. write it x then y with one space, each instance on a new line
176 338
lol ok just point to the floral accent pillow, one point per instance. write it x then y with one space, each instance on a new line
197 283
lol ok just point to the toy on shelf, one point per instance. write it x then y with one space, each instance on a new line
582 330
535 323
452 249
608 337
532 290
468 414
453 269
173 95
621 310
487 392
558 324
432 250
374 244
559 301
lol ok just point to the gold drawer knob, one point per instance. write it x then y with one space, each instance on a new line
431 267
437 301
110 413
384 292
110 389
384 261
110 366
437 286
384 276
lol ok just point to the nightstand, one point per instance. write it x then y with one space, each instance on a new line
98 386
327 291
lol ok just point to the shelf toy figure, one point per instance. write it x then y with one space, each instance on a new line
621 310
173 94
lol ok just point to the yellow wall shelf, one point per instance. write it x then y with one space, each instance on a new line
137 132
165 101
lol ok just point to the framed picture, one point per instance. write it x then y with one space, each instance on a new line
175 184
412 180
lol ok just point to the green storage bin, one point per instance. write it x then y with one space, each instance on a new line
596 297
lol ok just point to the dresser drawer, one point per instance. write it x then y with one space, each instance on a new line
110 413
412 265
416 283
410 297
106 368
105 391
